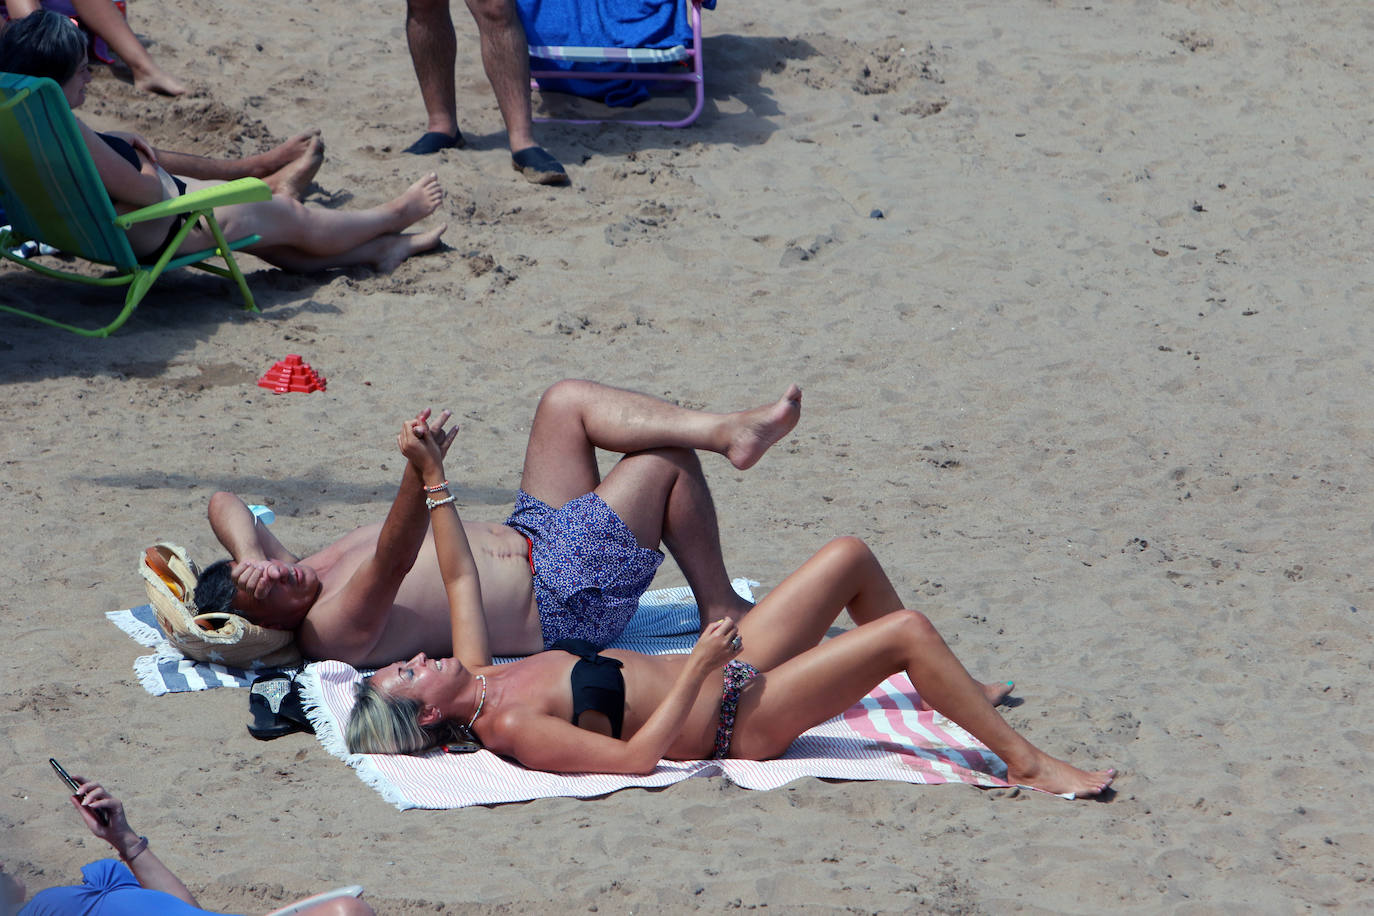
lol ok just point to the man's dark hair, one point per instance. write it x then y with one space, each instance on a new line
42 43
215 589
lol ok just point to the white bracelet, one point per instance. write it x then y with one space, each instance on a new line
433 504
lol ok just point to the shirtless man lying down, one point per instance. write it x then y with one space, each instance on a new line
572 560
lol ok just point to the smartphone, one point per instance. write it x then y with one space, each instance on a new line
72 784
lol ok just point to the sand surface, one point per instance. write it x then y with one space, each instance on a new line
1095 387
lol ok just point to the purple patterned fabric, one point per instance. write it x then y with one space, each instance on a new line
738 675
589 571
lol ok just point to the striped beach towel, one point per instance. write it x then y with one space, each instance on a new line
168 671
667 621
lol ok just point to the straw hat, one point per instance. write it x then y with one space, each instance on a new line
225 638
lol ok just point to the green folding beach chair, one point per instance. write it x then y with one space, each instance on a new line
51 193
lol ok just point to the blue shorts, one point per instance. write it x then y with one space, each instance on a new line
589 571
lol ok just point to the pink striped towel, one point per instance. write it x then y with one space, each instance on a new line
882 737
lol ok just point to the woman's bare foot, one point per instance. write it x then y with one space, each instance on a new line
420 200
759 428
1053 775
155 79
995 691
285 154
293 179
393 249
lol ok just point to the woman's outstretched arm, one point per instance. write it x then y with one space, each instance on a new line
425 450
133 850
544 742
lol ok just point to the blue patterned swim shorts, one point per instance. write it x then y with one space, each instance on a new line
589 571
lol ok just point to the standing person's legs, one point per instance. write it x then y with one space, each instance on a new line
828 679
506 60
433 53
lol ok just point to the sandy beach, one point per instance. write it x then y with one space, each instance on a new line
1078 298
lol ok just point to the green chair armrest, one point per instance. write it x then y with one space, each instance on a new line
239 191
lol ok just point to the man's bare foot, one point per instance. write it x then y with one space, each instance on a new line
995 691
757 429
420 200
393 249
1053 775
285 154
157 81
293 180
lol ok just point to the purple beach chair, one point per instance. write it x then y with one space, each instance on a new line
614 50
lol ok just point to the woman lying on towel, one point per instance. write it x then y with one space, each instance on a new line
138 884
293 236
745 691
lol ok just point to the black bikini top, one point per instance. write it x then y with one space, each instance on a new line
597 683
123 147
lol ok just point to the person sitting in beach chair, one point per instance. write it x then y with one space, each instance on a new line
747 690
291 235
139 882
572 560
286 168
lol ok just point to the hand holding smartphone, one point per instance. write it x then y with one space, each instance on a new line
100 813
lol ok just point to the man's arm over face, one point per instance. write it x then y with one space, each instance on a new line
241 533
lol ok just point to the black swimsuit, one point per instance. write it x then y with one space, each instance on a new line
597 683
126 150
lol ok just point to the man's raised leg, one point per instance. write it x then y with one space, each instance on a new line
575 417
433 53
662 495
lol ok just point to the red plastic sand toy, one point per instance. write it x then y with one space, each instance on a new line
291 374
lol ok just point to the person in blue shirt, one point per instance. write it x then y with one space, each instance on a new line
137 884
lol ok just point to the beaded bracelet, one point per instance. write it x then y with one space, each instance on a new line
437 487
433 504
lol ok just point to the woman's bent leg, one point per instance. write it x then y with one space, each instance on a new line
830 678
797 614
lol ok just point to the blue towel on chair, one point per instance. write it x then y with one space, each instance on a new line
605 24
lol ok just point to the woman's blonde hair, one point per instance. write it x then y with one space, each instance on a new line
386 724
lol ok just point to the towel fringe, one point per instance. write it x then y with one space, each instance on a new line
136 629
146 670
330 736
